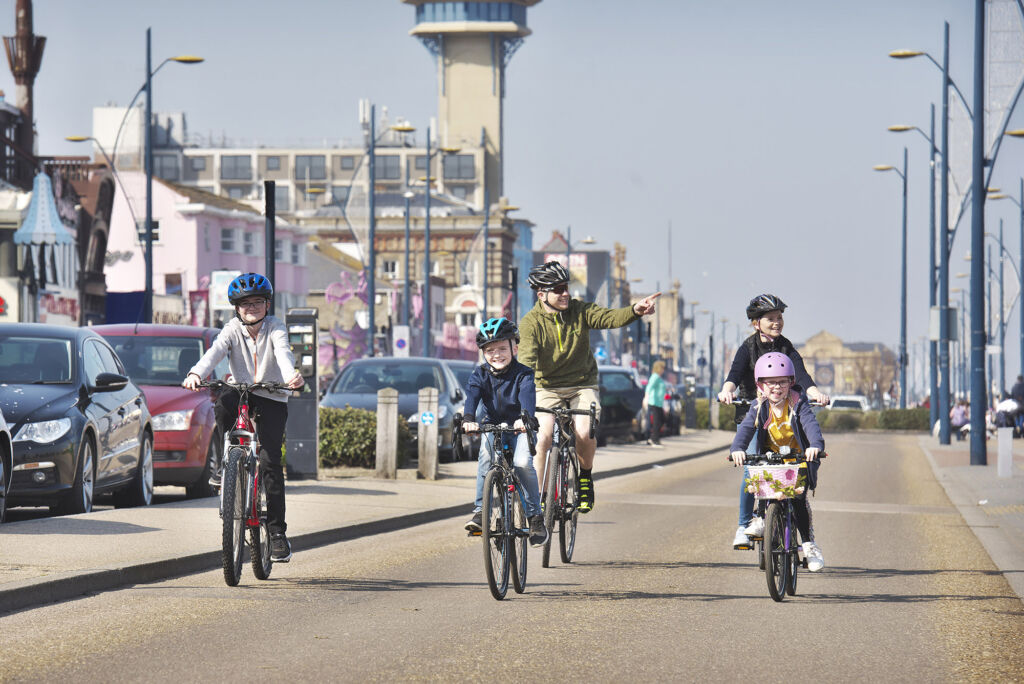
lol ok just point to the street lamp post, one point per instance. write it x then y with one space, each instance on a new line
711 364
427 334
903 280
147 310
933 371
1020 271
978 393
408 195
371 276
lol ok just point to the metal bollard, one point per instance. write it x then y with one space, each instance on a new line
427 433
1005 437
387 433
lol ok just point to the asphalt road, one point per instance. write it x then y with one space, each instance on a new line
656 593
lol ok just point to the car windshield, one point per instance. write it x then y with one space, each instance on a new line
157 360
616 382
462 374
35 360
407 378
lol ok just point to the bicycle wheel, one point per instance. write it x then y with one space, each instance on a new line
551 502
496 542
776 560
519 540
569 472
233 516
259 536
793 558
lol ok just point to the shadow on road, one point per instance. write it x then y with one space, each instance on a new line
324 489
78 526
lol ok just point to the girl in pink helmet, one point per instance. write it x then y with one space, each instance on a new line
781 421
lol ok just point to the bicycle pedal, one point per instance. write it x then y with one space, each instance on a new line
473 534
755 538
743 547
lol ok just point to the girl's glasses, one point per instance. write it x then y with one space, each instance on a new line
251 305
776 383
558 289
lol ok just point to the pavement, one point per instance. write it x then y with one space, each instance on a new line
54 559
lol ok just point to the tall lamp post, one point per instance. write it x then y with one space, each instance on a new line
407 195
1020 271
711 364
944 246
903 281
933 370
147 314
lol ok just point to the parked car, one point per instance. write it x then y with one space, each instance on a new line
621 398
81 427
850 402
6 456
462 370
186 441
358 382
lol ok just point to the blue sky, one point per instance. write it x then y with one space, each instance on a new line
752 127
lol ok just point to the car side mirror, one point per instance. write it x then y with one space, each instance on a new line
110 382
458 394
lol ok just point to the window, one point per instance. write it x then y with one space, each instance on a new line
459 166
250 247
281 198
421 162
278 250
166 167
172 283
198 163
296 253
311 166
459 191
227 240
389 269
339 194
238 191
273 163
235 167
387 167
347 163
92 360
465 319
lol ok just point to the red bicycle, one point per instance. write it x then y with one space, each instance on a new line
243 494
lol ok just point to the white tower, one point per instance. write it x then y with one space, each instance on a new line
472 42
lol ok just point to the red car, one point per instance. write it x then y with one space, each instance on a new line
187 443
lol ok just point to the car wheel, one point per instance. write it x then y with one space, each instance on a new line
80 498
140 491
201 487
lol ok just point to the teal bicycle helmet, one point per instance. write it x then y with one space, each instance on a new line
494 329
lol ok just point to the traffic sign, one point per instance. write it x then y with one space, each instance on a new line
427 417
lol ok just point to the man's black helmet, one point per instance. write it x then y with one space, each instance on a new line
548 275
495 329
762 304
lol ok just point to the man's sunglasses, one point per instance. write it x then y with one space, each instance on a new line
558 289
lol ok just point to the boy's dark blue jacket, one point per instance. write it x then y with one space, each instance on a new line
504 397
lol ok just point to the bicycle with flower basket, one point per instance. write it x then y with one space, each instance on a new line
775 480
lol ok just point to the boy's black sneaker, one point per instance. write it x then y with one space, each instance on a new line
538 533
586 494
280 549
474 523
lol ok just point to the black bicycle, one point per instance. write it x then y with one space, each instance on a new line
776 480
243 493
561 484
504 525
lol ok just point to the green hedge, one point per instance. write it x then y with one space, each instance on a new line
889 419
348 437
904 419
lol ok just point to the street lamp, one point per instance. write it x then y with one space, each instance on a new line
147 315
711 363
933 370
903 280
408 195
1020 273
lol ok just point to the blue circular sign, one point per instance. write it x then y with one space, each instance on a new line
400 343
426 417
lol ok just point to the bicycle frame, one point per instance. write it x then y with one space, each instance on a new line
245 436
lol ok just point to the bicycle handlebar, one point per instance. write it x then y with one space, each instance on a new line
773 458
242 387
531 438
562 413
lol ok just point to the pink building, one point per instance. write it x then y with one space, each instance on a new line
196 235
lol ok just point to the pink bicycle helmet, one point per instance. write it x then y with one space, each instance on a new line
773 365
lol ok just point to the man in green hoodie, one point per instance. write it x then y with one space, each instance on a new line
556 345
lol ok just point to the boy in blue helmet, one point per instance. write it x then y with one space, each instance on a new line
505 388
256 345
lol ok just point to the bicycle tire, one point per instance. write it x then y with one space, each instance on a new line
551 502
496 547
776 561
259 536
794 557
233 516
519 541
569 508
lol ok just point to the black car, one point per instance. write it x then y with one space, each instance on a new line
81 427
621 398
358 382
6 453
